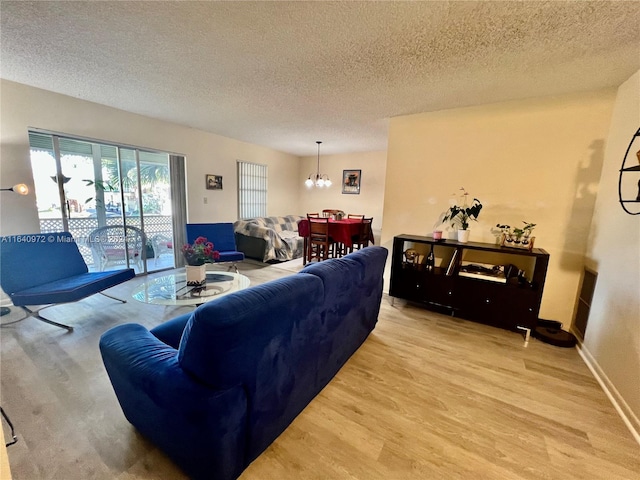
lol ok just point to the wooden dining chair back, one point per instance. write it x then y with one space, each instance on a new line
365 234
319 240
352 215
317 215
328 212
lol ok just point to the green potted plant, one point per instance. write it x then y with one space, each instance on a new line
460 214
517 237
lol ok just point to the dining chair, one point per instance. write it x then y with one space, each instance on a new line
313 215
352 215
303 231
328 212
320 243
364 235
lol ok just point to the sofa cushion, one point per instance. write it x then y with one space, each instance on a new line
58 251
72 288
224 341
170 332
263 339
355 276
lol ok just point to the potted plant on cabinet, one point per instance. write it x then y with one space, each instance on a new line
517 237
460 215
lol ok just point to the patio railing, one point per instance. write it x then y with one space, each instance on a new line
80 228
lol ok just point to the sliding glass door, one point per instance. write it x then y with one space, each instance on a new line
109 197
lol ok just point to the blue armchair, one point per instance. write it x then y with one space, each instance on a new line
48 269
223 238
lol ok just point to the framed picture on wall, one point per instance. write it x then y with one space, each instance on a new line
351 181
214 182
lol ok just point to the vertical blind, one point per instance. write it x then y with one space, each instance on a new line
252 190
178 205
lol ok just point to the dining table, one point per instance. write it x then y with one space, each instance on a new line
340 231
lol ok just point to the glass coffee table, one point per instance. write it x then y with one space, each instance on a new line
172 289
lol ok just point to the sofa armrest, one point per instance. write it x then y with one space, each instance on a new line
203 430
170 332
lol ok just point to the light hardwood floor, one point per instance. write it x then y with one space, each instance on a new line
427 396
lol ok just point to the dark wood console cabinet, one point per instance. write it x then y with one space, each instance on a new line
512 304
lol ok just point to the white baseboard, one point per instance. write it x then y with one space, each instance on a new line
628 417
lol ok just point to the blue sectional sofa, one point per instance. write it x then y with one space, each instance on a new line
213 389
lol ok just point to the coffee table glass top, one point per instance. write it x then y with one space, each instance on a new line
172 289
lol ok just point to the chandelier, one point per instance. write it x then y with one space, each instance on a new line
318 179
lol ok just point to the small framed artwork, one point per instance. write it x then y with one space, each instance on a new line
214 182
351 181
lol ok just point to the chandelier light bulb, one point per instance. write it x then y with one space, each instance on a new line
318 179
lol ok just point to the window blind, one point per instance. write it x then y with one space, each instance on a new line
252 190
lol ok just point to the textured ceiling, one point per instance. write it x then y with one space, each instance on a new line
285 74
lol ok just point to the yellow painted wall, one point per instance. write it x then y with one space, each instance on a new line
23 107
537 160
371 198
612 339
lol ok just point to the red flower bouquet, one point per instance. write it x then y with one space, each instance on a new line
200 252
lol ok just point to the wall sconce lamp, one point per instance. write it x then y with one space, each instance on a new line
19 188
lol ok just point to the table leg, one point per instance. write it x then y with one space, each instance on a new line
305 253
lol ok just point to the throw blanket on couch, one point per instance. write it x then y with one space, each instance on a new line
274 238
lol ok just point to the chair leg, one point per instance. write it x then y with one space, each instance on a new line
113 298
14 437
234 267
37 316
35 313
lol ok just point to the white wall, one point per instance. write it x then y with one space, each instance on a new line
612 339
537 160
23 107
371 198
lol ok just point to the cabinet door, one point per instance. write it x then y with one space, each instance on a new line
439 289
498 304
520 307
407 283
475 300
